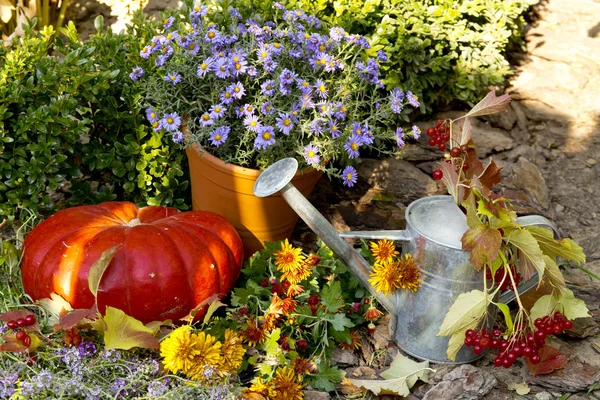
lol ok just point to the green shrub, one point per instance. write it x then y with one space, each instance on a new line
443 50
71 126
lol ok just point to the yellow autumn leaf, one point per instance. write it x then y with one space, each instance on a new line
125 332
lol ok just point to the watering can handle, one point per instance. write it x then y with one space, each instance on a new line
526 286
390 235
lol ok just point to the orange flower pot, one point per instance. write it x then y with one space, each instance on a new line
227 189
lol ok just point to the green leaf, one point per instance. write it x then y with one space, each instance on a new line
331 297
570 306
468 308
270 344
99 266
325 380
125 332
399 378
340 322
554 275
483 243
530 256
565 248
506 311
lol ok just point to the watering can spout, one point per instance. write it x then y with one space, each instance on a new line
277 178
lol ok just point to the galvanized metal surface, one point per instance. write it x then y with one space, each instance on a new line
434 228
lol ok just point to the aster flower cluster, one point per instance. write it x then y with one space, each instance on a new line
253 93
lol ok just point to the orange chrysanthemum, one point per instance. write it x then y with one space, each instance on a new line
286 386
384 251
288 306
372 314
354 342
253 334
271 321
295 290
295 275
288 258
303 366
385 277
409 274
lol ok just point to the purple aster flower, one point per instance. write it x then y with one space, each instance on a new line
145 52
297 52
336 33
304 86
265 138
352 146
248 109
357 129
206 119
227 96
275 48
205 67
267 108
212 36
284 123
316 127
396 98
287 77
240 112
263 54
184 41
169 37
324 108
252 123
382 56
198 13
334 129
239 67
136 73
295 112
270 66
321 89
151 115
237 89
311 154
156 126
330 65
412 99
306 101
285 89
252 72
173 77
268 88
161 60
168 22
340 112
349 176
192 47
220 68
219 135
399 134
279 6
177 137
366 135
166 50
217 111
313 21
416 131
170 122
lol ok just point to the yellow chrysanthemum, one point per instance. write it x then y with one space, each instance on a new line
409 274
260 387
285 386
297 275
209 354
233 352
354 343
385 277
288 258
384 251
179 350
295 290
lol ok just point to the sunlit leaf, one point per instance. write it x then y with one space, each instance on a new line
54 307
399 378
507 318
521 388
550 360
98 267
565 248
530 254
554 275
450 180
189 318
491 104
125 332
570 306
468 309
483 242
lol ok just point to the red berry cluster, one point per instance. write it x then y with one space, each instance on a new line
20 323
439 135
499 275
522 345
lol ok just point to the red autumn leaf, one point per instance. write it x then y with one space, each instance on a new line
550 360
475 165
450 180
13 345
490 176
72 318
15 315
483 243
491 104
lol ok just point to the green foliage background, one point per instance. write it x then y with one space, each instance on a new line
71 123
442 50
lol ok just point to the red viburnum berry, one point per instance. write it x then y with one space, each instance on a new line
437 174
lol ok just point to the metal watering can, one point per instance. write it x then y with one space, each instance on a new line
434 228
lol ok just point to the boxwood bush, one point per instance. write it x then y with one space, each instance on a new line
443 50
72 129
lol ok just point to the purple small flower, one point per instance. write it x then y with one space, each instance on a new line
217 111
136 73
287 77
151 115
145 52
166 50
205 67
177 137
157 389
416 132
237 90
267 109
284 123
399 134
306 101
212 36
396 98
285 89
311 154
221 68
170 122
87 349
192 47
263 54
304 86
252 123
173 77
169 37
349 176
412 99
324 108
168 22
268 88
161 60
270 66
352 146
235 14
321 89
382 56
340 112
226 97
252 72
316 127
248 109
336 33
219 135
334 129
206 119
265 138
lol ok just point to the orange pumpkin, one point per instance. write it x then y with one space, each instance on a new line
167 263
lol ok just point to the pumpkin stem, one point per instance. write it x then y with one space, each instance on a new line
134 222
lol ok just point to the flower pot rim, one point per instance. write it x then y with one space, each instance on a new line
236 169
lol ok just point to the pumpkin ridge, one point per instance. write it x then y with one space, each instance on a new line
99 213
110 211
